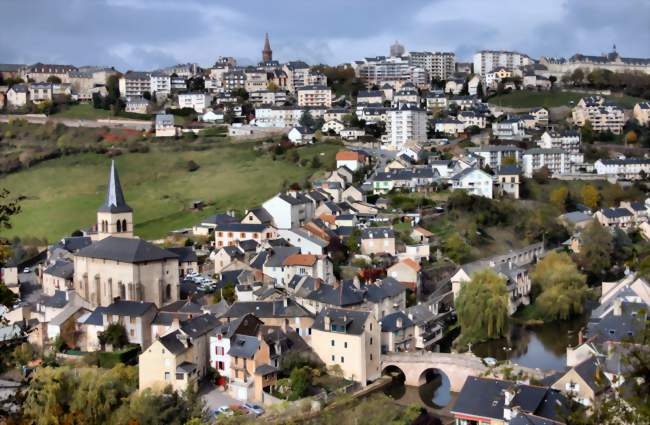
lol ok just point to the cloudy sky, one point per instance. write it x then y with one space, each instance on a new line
146 34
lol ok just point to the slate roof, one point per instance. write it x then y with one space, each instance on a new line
575 217
218 219
386 288
484 398
240 227
616 212
74 243
243 346
172 343
377 233
348 321
200 325
248 245
345 294
96 318
114 201
186 367
389 322
57 300
265 369
279 254
129 308
182 306
272 308
128 250
262 214
61 268
185 254
509 169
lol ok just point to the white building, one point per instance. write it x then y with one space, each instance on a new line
494 155
602 114
439 65
556 160
165 125
472 119
627 168
473 180
406 123
568 140
315 96
512 128
134 84
160 84
197 101
487 60
289 210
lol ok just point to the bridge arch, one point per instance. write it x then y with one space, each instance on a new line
416 366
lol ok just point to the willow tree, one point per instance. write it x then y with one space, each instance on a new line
482 307
561 287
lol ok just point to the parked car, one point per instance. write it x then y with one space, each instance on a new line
223 410
255 409
26 270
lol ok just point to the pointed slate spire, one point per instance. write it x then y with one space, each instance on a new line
267 53
114 202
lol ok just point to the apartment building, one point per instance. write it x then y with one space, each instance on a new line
556 160
602 114
315 96
472 119
197 101
160 84
487 60
569 141
267 97
134 84
394 70
439 65
641 112
406 123
624 168
256 80
494 155
284 116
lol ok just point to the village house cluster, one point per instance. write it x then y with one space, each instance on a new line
274 267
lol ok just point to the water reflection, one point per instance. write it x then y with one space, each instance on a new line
542 346
435 393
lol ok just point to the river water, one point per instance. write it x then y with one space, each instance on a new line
542 346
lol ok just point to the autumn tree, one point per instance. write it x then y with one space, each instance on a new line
595 256
590 196
558 197
456 248
561 287
482 307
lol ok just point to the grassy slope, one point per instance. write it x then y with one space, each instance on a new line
63 194
549 99
83 111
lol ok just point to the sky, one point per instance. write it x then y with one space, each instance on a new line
149 34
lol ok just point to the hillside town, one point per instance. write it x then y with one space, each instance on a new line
445 227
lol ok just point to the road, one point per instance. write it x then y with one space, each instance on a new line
71 122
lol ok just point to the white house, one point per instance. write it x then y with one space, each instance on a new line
197 101
475 181
165 125
300 135
556 160
626 168
289 210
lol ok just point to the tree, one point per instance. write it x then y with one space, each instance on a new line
315 162
587 132
577 77
300 380
558 197
114 335
509 160
552 79
192 166
595 256
306 119
631 137
590 196
23 354
542 175
354 241
482 307
561 287
456 248
53 79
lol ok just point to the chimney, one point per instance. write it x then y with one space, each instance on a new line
337 283
618 307
176 323
326 322
285 302
316 284
399 322
509 395
356 282
581 337
182 338
410 316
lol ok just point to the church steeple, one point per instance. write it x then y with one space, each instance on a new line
114 201
114 216
267 53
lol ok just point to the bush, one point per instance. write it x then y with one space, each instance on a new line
111 359
192 166
114 335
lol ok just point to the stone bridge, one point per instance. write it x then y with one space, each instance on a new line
415 366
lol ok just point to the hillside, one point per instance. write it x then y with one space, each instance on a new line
551 99
62 194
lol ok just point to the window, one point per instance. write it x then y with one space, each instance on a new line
308 331
342 359
132 332
179 376
332 343
132 320
345 345
219 337
371 357
167 376
370 340
333 359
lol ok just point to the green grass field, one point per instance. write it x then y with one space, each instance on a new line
550 99
63 194
83 111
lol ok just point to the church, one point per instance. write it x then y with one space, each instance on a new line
118 264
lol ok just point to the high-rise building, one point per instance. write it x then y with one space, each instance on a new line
380 69
267 53
438 64
397 50
405 124
487 60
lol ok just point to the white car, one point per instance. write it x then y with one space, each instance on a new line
26 270
255 409
223 410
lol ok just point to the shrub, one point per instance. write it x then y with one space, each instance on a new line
192 166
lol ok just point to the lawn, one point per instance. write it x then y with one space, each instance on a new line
84 111
550 99
62 194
